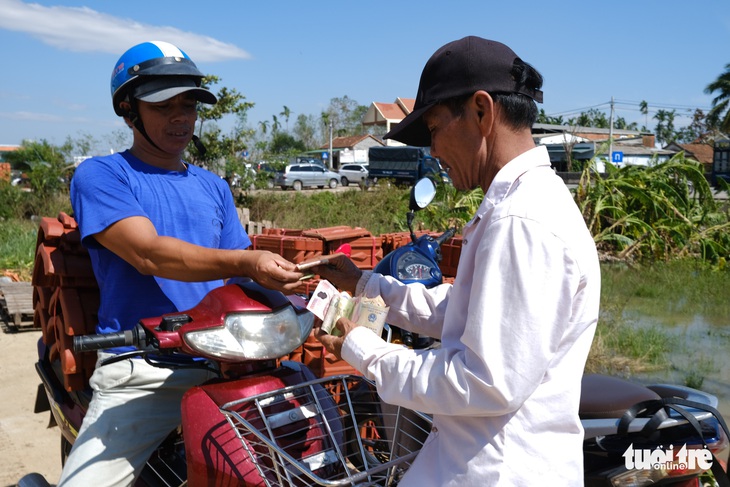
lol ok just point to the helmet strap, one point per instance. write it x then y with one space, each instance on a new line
133 117
199 146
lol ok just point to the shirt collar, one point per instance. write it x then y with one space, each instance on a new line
506 177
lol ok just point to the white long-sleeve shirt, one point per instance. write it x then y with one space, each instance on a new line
515 331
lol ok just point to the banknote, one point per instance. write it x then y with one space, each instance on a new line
370 313
329 305
321 298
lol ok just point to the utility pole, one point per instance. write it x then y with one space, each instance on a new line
332 156
610 134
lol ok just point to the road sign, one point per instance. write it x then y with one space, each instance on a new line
325 156
617 156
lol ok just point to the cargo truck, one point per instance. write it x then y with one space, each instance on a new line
403 164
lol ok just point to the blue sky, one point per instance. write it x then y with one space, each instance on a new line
57 56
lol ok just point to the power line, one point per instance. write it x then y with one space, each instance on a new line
663 105
627 105
579 110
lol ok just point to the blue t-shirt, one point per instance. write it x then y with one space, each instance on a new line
193 205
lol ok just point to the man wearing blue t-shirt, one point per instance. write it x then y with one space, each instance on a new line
161 234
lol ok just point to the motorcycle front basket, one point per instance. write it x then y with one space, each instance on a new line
331 431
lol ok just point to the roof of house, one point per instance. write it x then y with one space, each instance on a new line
592 133
5 148
351 141
380 112
703 153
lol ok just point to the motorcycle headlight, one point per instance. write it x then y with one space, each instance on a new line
253 336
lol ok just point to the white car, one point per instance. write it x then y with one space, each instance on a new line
353 173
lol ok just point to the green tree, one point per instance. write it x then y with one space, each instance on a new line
286 113
621 123
117 140
284 143
592 118
644 109
598 119
222 151
701 129
275 125
720 110
664 129
49 171
542 117
345 114
264 126
230 101
47 166
83 145
305 129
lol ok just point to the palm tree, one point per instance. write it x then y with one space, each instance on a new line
264 126
665 126
721 103
644 108
275 124
286 113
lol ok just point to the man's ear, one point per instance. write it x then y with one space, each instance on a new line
483 105
126 111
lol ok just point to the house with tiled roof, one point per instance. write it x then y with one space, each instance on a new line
5 148
702 153
352 149
387 115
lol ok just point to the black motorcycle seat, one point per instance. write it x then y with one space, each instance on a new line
603 396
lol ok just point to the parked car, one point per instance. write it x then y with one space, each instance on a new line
307 160
300 176
353 173
266 173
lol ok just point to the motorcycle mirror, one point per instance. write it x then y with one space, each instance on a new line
422 194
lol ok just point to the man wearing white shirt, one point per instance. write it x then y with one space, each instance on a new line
518 322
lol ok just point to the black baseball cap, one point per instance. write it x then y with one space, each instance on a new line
460 68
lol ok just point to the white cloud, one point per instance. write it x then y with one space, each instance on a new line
72 107
32 117
83 29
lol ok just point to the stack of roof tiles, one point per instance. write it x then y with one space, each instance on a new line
66 295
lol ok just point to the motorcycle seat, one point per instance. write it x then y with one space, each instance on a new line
604 396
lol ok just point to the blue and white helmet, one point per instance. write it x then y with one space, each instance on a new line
156 71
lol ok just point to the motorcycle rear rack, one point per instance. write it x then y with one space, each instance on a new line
333 431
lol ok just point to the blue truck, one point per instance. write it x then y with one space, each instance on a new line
403 164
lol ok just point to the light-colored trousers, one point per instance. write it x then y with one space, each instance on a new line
133 409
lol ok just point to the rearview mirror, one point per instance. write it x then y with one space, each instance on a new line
422 194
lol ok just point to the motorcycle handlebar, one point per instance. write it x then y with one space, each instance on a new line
445 236
90 343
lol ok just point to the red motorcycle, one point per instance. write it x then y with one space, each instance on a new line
265 421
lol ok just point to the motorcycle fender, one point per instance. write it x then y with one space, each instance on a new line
67 412
214 454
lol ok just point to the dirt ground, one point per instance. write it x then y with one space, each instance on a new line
26 443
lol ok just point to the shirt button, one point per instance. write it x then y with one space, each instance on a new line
434 429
